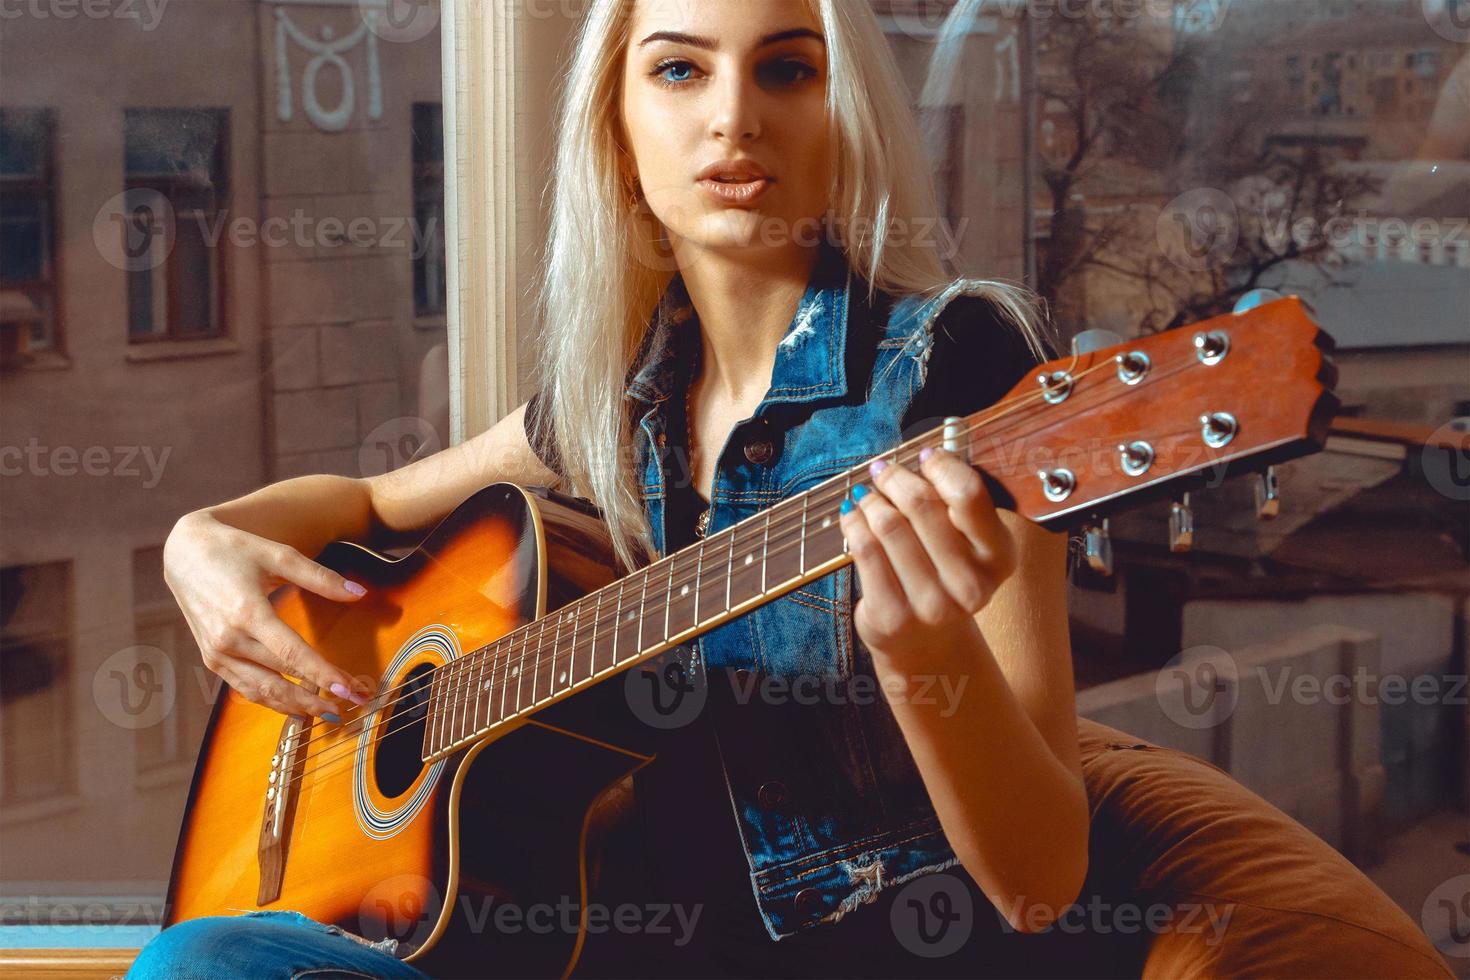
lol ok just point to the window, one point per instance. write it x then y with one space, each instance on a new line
35 688
429 271
177 196
27 234
167 654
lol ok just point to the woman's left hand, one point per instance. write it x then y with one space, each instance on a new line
930 550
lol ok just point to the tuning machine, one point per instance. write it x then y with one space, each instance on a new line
1268 494
1181 524
1097 547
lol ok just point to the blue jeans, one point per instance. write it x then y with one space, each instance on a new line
271 945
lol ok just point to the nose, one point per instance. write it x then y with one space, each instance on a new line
735 115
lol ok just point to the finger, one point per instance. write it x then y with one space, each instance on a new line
971 508
267 688
883 597
911 563
284 650
929 514
294 567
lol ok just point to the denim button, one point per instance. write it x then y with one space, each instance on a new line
759 451
808 903
772 794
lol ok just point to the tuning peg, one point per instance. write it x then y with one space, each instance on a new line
1268 494
1090 340
1255 298
1181 525
1098 547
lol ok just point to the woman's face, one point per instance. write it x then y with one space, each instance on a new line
738 84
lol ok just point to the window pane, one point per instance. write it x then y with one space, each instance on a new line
219 328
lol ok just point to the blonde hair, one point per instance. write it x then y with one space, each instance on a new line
602 284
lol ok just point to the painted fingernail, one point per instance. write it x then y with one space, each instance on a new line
343 691
859 492
847 505
925 453
877 466
328 716
353 587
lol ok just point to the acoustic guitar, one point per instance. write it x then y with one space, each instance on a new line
465 784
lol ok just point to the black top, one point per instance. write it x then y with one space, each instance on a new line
976 359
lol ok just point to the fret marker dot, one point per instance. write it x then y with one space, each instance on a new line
562 677
826 522
684 590
485 686
749 558
515 671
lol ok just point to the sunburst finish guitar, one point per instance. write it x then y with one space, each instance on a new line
467 779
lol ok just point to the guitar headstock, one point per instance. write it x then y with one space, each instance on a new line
1085 434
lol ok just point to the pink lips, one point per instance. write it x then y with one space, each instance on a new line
737 182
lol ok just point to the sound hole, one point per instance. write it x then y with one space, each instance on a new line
401 738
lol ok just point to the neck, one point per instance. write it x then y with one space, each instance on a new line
745 300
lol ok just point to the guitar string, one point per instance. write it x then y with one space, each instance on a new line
472 691
997 411
327 759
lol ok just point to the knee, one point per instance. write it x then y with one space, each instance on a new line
180 949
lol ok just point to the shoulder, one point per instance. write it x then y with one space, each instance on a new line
977 351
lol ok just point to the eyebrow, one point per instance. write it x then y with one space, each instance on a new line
707 44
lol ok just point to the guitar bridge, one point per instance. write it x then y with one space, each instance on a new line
283 787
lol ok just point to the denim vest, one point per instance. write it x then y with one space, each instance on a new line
830 805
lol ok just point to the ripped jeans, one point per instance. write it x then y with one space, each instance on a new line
271 945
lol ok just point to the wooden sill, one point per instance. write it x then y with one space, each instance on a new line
174 350
66 964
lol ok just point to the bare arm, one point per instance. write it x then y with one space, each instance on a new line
222 562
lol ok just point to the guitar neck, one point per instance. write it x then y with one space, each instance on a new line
1068 443
661 605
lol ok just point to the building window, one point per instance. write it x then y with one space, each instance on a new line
177 199
430 283
27 234
159 626
35 674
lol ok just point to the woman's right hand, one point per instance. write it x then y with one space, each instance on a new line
221 577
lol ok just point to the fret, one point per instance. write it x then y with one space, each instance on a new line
823 538
806 500
668 598
461 706
630 624
783 560
618 619
570 666
729 567
744 582
477 685
517 667
596 621
431 736
698 576
545 681
451 700
679 616
765 551
501 682
536 663
642 609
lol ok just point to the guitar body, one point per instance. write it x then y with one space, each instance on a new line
373 839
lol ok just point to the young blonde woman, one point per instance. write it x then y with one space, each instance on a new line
740 300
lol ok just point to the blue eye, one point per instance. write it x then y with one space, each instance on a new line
683 70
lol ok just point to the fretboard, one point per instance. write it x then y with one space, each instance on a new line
639 616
